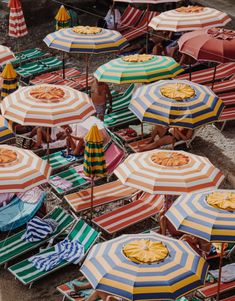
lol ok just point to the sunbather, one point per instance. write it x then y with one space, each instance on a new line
74 143
201 246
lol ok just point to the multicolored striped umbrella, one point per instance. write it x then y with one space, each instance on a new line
9 83
6 132
21 169
138 68
5 55
62 18
47 105
145 267
169 172
189 18
178 103
17 26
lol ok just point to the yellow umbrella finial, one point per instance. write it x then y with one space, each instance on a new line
8 72
62 15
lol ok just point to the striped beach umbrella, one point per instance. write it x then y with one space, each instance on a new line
176 103
189 18
62 18
21 169
168 172
17 26
6 132
9 81
5 55
145 267
142 68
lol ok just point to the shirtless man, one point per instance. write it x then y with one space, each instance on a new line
99 94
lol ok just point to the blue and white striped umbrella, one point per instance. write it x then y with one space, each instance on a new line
6 132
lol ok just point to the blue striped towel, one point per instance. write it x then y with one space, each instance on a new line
38 229
71 251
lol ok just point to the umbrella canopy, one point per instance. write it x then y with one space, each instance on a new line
6 132
178 103
62 18
210 216
17 26
5 55
141 68
47 105
189 18
168 172
145 267
21 169
94 162
9 83
85 39
214 44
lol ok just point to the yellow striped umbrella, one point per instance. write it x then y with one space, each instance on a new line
62 18
9 83
6 132
21 169
168 172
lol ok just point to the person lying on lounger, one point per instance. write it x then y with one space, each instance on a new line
162 135
74 143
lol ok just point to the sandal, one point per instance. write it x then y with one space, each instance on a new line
74 294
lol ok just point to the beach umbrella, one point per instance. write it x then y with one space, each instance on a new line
6 132
94 164
189 18
17 26
9 81
145 267
176 103
21 169
142 68
87 40
5 55
210 216
168 172
62 18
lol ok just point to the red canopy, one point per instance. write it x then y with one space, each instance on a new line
17 26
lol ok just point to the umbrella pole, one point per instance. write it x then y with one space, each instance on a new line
147 35
87 68
213 80
63 62
48 148
92 195
190 71
142 130
220 271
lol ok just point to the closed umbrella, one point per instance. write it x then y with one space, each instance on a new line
9 81
62 18
17 25
5 55
6 132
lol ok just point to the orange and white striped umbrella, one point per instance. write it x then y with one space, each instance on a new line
169 172
5 55
189 18
47 105
21 169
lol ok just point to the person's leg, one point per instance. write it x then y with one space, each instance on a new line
168 139
39 138
79 147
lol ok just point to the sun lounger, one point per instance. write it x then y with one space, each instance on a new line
223 86
51 62
69 72
210 290
68 82
13 246
26 273
81 81
129 18
70 175
122 101
27 55
227 114
228 98
119 118
144 207
47 78
142 27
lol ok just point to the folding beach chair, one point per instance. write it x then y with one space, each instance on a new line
51 62
103 194
70 175
118 118
31 69
144 207
227 115
46 78
210 290
27 55
81 81
223 86
122 101
69 72
26 273
228 98
68 82
13 246
129 18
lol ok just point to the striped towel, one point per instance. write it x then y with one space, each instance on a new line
38 229
61 183
71 251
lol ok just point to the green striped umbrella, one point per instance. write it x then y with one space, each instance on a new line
139 68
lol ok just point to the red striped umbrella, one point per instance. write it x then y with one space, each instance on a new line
17 26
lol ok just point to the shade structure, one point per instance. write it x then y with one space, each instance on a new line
5 55
71 40
9 83
62 18
212 44
6 132
21 169
193 213
176 103
109 268
47 105
17 25
189 18
168 172
138 68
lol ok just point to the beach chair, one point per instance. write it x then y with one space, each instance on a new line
223 71
46 78
72 176
13 246
31 69
228 98
142 28
51 62
69 72
27 55
81 81
122 101
27 274
118 118
144 207
68 82
103 194
129 18
210 290
227 115
223 86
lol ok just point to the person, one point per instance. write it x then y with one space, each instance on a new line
74 143
201 246
113 17
20 129
99 94
166 135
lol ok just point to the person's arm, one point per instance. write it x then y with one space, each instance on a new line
181 135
